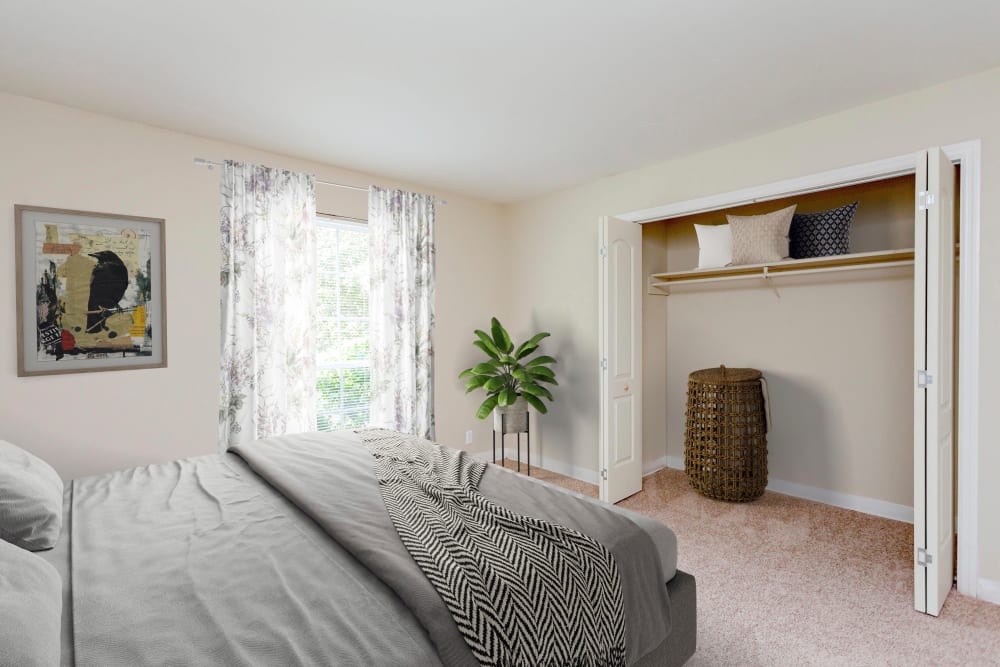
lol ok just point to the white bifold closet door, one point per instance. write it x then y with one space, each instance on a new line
934 326
620 431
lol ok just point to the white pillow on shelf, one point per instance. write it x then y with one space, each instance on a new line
715 246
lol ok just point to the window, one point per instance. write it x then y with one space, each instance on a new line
343 361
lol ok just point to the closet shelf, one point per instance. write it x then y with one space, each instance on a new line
659 283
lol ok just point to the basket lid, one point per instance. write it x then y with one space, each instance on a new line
723 374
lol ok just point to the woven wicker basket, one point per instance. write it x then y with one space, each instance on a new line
725 439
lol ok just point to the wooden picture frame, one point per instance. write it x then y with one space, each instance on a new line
91 291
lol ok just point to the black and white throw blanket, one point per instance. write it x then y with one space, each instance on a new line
522 591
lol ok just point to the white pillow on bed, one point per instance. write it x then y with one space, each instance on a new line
31 499
715 246
30 609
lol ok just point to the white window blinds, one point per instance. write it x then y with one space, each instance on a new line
344 377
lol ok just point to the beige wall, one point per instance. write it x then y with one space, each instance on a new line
95 422
554 241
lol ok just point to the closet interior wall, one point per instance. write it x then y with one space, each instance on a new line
837 349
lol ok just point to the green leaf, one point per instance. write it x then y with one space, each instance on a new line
464 374
520 374
539 378
538 361
475 382
500 336
489 353
537 338
524 350
495 382
488 345
535 390
484 368
507 397
536 403
530 345
538 372
486 408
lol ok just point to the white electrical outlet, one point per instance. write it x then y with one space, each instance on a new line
468 437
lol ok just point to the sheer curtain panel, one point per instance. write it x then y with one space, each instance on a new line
268 278
401 303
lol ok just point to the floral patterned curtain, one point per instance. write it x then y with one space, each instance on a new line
401 226
268 365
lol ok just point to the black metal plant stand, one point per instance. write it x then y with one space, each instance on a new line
527 438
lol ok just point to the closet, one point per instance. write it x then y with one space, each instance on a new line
836 337
881 234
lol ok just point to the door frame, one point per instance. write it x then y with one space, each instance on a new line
968 155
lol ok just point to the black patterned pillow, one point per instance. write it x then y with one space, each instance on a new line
821 234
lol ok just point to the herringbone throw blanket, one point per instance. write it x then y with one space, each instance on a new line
522 591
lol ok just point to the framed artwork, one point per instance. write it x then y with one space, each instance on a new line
91 294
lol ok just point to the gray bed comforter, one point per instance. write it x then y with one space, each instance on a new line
204 561
189 563
332 480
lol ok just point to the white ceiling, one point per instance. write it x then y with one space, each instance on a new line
503 100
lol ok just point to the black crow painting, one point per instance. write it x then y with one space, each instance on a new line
108 283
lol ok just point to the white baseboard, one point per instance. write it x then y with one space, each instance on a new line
873 506
650 467
988 590
576 472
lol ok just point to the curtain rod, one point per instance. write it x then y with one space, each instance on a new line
202 162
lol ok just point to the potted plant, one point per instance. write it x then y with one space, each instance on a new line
511 378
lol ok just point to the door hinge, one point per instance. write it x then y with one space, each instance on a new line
604 473
604 364
603 251
925 200
923 379
923 558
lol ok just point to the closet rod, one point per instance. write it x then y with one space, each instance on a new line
765 274
202 162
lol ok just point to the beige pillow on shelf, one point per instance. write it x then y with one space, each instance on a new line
758 239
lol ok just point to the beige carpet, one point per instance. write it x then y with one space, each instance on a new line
785 581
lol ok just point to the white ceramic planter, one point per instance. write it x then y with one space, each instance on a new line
511 419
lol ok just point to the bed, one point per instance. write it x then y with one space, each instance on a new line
283 555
